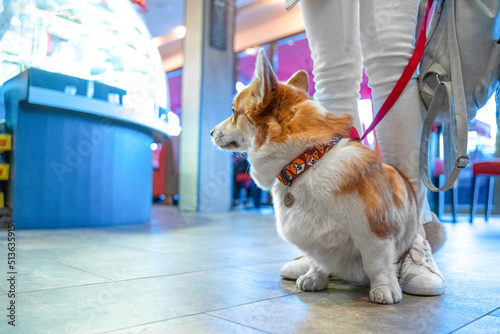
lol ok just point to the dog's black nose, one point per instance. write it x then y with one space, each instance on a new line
212 132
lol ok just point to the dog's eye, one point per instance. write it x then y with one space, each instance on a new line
234 110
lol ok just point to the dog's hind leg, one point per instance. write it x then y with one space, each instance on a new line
315 279
379 264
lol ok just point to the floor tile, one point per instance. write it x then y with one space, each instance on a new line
302 313
485 325
108 306
345 308
267 268
137 264
51 275
465 239
495 313
477 266
201 323
220 273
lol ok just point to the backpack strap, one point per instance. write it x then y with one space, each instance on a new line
457 112
444 90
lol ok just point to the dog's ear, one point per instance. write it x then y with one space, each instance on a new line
300 81
264 80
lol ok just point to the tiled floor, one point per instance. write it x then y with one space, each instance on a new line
195 273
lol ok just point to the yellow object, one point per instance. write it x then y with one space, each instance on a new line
2 202
5 142
4 171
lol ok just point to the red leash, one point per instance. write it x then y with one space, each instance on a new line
406 76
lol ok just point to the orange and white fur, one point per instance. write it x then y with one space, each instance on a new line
353 216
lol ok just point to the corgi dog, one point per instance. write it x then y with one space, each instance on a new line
352 215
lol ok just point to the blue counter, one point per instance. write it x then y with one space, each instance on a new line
78 160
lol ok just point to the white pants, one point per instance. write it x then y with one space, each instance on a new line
344 36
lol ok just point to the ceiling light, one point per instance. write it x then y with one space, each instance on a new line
251 51
157 41
180 31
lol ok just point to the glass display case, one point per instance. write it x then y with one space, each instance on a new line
104 41
82 87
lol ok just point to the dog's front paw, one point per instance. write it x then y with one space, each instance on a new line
385 294
312 282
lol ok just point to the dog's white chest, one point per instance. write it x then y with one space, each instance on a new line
303 217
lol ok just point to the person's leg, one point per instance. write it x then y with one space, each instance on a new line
387 35
387 39
332 28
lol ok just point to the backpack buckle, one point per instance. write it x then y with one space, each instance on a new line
438 80
462 161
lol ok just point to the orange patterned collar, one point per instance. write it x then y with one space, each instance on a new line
304 161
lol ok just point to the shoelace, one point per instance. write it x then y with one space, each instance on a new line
421 255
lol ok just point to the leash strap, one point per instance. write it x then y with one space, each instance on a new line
407 73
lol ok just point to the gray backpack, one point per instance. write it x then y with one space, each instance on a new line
459 71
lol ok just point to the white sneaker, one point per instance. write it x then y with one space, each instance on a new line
419 274
295 268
